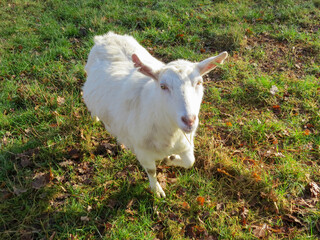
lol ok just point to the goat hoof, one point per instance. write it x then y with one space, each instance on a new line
159 191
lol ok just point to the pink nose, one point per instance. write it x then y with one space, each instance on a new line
189 120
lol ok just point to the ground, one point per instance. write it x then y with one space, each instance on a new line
62 176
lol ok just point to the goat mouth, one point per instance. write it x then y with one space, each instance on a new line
187 129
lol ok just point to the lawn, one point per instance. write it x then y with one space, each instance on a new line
257 173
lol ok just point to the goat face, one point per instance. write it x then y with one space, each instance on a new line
180 83
182 90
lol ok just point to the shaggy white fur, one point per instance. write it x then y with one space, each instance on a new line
151 107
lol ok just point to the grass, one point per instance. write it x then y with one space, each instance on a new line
257 170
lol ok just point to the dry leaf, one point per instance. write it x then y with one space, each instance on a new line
25 162
293 219
66 163
314 189
85 218
26 156
74 154
162 180
249 31
40 180
224 172
18 191
51 177
108 226
52 236
185 205
60 100
229 124
256 177
307 132
260 231
276 109
172 180
243 214
200 200
130 203
274 90
194 231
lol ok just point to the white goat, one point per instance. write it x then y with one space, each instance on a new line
151 107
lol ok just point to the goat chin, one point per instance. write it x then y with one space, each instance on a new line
139 99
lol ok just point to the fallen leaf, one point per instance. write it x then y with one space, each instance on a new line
260 231
160 235
5 195
194 231
108 226
131 212
25 162
26 156
314 189
224 172
309 125
243 215
256 177
74 154
200 200
249 162
220 206
66 163
40 180
249 31
51 177
181 191
276 109
162 180
291 218
85 218
172 180
60 100
274 90
270 153
27 131
18 191
185 205
52 236
306 132
229 124
189 231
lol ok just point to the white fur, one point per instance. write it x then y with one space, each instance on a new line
125 93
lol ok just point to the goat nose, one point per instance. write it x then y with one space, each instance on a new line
188 120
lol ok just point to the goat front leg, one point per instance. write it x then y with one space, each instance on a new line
150 167
185 159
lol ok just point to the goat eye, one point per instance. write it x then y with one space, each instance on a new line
163 87
199 83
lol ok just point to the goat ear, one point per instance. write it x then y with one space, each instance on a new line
144 69
211 63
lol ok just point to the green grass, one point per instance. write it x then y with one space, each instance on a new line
62 176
